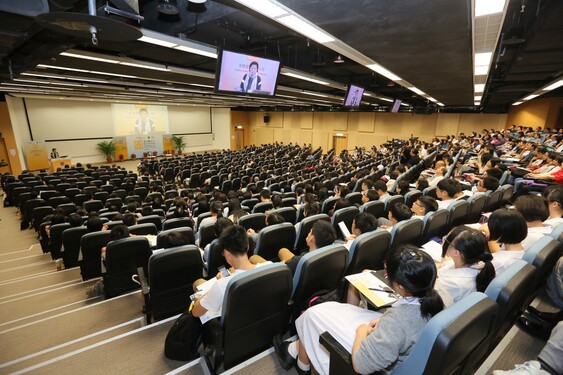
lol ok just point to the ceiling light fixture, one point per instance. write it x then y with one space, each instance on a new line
553 86
480 87
516 103
305 28
416 90
530 97
486 7
305 78
338 60
88 57
384 72
267 8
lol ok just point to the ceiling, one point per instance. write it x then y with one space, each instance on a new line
428 44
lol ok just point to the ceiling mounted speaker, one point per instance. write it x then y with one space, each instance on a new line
168 7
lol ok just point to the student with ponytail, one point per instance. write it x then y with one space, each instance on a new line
469 266
377 342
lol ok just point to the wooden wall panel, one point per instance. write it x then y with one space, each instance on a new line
366 121
469 122
447 124
305 137
306 120
339 120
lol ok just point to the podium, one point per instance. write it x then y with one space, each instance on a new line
59 163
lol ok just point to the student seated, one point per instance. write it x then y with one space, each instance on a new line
468 266
362 223
377 342
554 205
534 210
234 241
507 229
322 234
423 205
397 213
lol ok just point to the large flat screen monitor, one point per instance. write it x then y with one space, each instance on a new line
353 96
239 73
396 105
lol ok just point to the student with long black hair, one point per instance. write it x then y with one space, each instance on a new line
377 341
468 266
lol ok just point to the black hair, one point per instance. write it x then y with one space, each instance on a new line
147 210
380 185
507 226
416 272
94 224
474 248
173 239
428 202
310 209
277 201
129 219
253 63
369 183
341 203
118 232
324 233
450 186
217 208
495 172
422 184
403 186
274 218
365 222
372 195
74 220
555 194
234 240
532 207
490 183
220 224
265 194
400 212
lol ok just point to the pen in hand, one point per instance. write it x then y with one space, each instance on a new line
382 290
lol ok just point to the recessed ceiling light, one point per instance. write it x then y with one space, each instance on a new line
265 7
480 87
554 86
304 28
481 70
158 42
516 103
483 58
88 57
530 97
306 78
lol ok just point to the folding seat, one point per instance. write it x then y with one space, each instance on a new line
493 200
226 185
507 191
476 207
56 239
55 201
123 257
510 290
406 232
303 229
143 229
431 192
187 232
368 251
159 212
101 196
543 254
346 215
215 258
376 208
328 204
47 194
181 222
214 181
273 238
355 198
155 219
322 269
255 221
288 214
117 202
171 274
435 224
412 196
457 213
71 192
121 193
393 201
168 174
37 215
92 189
92 205
206 234
68 208
262 207
71 243
289 202
250 203
446 344
254 311
91 245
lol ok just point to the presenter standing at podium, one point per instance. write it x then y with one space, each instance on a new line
54 154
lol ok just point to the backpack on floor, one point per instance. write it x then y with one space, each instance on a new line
183 339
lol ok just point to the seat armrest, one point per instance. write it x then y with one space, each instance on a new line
212 337
340 359
143 281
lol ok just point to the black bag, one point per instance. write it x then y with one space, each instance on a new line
183 339
323 296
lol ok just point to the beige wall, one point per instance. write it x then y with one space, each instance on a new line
542 112
363 129
10 139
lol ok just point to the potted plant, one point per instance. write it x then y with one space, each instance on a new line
107 148
179 144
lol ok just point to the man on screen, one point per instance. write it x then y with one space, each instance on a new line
355 98
144 125
54 154
251 81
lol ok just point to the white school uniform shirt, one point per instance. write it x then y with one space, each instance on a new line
503 259
444 204
535 234
553 223
458 282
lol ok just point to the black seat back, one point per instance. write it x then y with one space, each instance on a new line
91 246
303 230
368 251
71 243
273 238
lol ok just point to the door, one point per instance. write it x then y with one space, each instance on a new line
4 160
239 139
339 143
